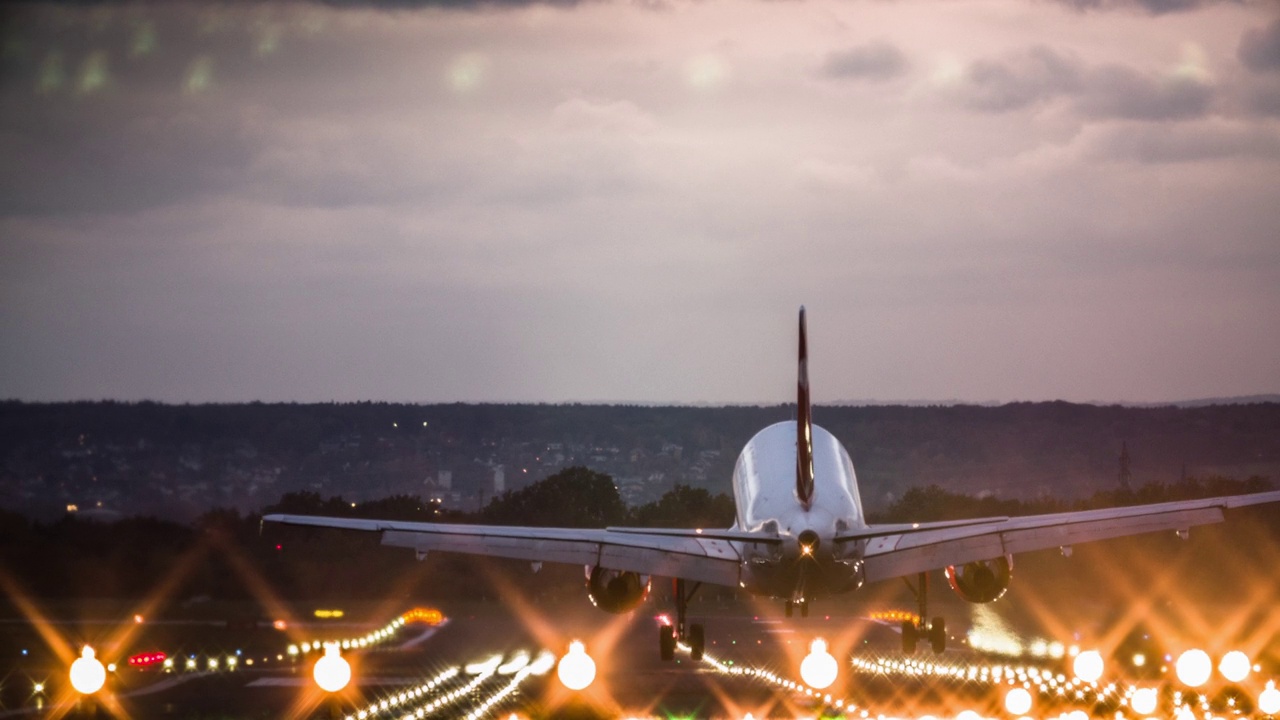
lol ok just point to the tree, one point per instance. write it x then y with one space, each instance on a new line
573 497
684 506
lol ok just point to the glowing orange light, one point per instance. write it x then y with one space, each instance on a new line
332 672
87 673
429 616
577 670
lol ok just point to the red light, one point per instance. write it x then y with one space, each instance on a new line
143 660
279 547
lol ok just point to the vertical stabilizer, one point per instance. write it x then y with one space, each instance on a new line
804 425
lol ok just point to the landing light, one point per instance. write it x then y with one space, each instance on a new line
819 668
577 670
1088 666
1194 667
1235 666
1144 701
87 673
332 672
1018 701
1269 699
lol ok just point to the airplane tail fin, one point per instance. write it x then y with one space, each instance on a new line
804 425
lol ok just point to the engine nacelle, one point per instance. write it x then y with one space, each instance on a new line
616 591
981 581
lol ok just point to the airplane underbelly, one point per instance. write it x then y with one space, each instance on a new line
801 578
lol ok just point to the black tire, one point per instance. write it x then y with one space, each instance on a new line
804 609
938 635
697 642
667 642
909 637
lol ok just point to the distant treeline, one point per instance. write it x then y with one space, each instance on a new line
179 459
226 555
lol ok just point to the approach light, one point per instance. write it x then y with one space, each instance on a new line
517 663
1088 666
87 674
1144 701
819 668
1235 666
1018 701
1269 699
1194 667
577 670
332 672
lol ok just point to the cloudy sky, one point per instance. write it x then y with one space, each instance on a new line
628 201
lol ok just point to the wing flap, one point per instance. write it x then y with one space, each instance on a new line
898 555
704 559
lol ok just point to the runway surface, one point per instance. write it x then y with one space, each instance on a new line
496 661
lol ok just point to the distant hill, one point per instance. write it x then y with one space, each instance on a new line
181 460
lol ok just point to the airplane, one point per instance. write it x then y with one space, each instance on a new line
800 533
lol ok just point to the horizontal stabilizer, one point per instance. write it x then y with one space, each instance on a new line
705 534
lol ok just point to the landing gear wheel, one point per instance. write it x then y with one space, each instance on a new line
938 635
804 609
667 642
697 642
910 635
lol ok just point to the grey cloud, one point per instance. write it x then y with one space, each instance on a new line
1119 92
1194 143
1041 74
1260 48
1016 82
1264 100
873 61
1154 7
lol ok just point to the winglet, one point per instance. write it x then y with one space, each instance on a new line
804 425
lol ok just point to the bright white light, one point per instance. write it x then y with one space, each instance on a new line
1194 668
968 715
819 668
484 666
1077 715
332 672
577 670
1018 701
515 664
1144 701
1235 666
1269 699
87 673
1088 666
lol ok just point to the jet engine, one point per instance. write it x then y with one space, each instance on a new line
981 581
616 591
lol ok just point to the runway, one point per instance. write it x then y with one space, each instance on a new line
498 662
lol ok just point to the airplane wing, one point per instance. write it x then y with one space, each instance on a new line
703 556
895 552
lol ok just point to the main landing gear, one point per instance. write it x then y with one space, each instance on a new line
802 604
692 635
913 632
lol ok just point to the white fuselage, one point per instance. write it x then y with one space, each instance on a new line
808 562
